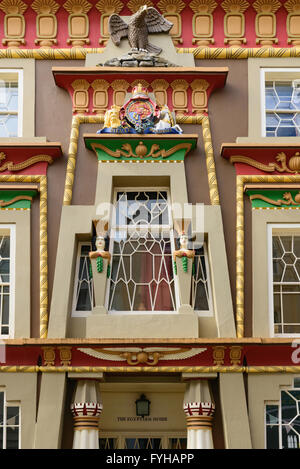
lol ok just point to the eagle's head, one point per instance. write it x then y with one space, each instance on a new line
142 10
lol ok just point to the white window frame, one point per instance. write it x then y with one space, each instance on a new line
271 227
12 254
19 72
209 312
79 314
278 404
4 426
162 227
263 80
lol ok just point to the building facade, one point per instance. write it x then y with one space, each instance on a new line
149 224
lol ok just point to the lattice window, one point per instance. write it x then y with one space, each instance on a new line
141 246
9 424
282 420
143 443
7 261
84 289
201 295
123 441
286 283
282 102
177 443
10 103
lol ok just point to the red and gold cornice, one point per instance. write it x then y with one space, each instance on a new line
65 25
263 158
185 90
133 355
28 158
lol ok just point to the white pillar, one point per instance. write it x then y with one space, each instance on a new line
199 410
86 410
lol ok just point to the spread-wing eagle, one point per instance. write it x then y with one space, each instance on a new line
145 20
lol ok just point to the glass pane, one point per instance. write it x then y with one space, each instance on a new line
8 126
177 443
1 407
289 438
272 414
291 310
5 310
135 208
12 438
142 280
297 246
4 246
107 443
1 437
278 266
12 416
272 437
288 407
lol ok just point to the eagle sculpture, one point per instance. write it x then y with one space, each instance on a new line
145 20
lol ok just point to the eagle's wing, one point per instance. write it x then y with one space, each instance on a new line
155 22
101 354
175 353
117 28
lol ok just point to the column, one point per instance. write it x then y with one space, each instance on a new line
199 410
86 410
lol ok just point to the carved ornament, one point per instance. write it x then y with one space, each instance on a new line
65 355
287 196
171 10
203 21
293 165
4 203
107 8
292 21
234 21
219 355
11 166
135 5
179 95
199 95
140 115
80 95
46 22
142 356
120 88
78 22
235 355
100 96
160 87
48 356
14 22
142 152
265 21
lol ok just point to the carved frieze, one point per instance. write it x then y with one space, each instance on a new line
203 23
14 22
100 96
293 21
80 95
78 22
46 22
107 8
265 21
179 96
135 5
171 10
199 95
234 21
120 88
160 87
